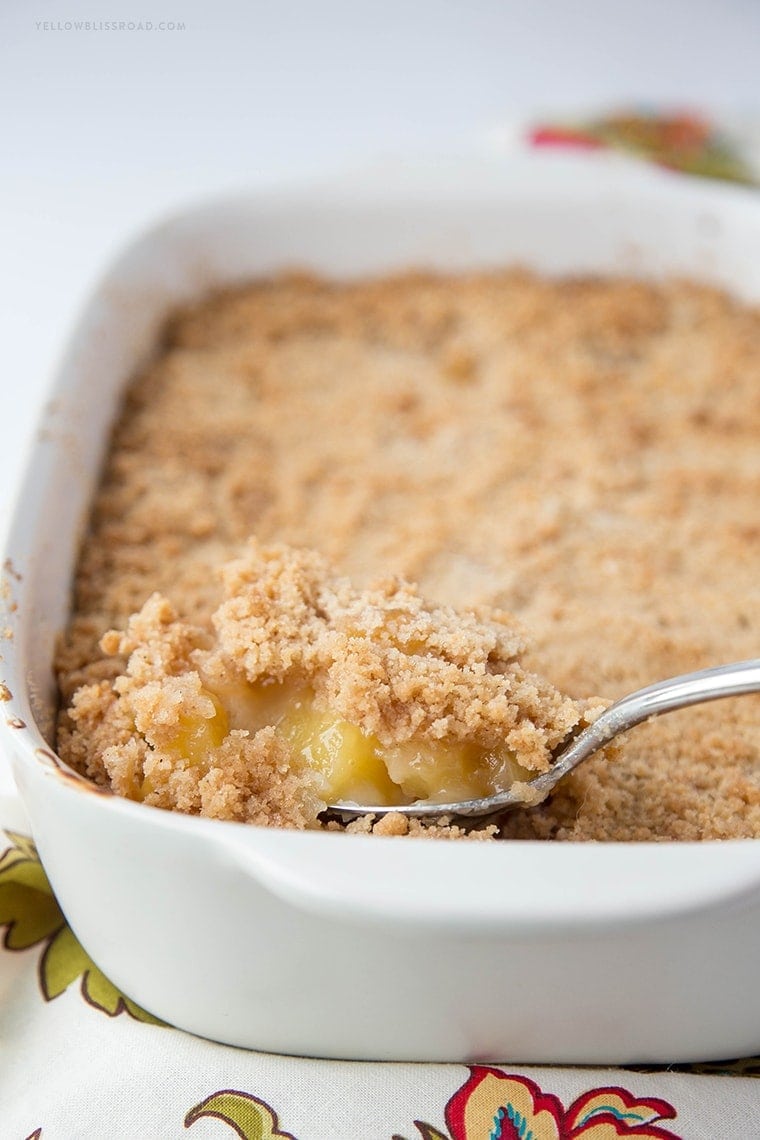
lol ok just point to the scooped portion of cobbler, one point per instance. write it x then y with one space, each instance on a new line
302 691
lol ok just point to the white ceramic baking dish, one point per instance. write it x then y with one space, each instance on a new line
347 946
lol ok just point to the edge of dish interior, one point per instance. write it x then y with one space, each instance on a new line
556 215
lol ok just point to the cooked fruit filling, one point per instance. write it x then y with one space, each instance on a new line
303 691
348 764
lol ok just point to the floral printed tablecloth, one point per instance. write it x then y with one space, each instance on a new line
79 1059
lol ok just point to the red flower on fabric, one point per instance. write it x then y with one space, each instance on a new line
493 1105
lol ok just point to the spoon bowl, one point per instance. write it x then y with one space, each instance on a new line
679 692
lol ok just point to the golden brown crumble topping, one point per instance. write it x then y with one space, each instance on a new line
581 453
308 692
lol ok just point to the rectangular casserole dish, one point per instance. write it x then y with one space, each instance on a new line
351 946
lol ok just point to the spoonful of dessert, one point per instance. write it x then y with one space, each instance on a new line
664 696
359 702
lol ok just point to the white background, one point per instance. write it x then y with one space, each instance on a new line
103 130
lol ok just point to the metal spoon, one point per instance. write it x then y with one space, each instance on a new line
664 696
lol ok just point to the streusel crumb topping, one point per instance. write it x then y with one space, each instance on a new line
580 453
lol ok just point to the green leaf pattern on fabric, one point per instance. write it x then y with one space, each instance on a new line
28 909
250 1117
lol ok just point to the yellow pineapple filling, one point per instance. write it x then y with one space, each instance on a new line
195 739
197 736
353 766
448 771
348 764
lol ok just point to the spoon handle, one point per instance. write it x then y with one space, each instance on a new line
664 696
